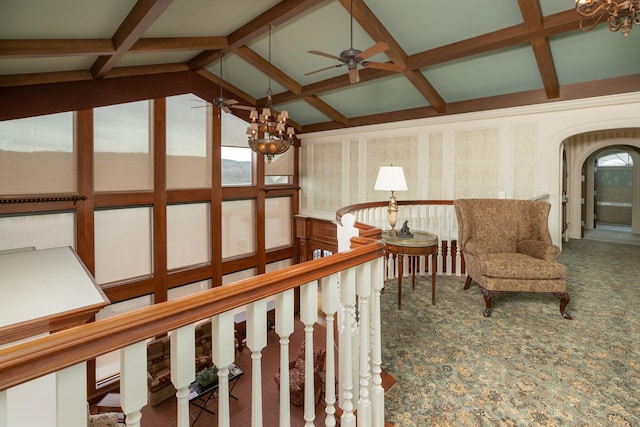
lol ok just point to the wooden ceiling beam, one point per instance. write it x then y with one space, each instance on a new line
278 14
326 109
179 43
333 83
426 89
372 25
139 19
555 24
532 14
31 48
612 86
263 65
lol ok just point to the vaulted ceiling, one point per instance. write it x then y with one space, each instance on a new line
453 56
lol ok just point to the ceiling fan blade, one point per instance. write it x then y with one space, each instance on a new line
384 66
229 102
242 107
323 69
373 50
354 76
326 55
226 109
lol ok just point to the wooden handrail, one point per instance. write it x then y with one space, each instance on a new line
32 359
367 205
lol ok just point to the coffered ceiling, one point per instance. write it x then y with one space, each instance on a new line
454 56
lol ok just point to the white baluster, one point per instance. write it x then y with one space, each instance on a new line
308 316
377 392
71 392
284 328
364 292
348 297
256 341
133 381
183 356
330 305
223 351
4 413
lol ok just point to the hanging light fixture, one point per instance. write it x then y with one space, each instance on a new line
621 14
268 132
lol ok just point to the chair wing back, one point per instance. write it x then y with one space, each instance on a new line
499 224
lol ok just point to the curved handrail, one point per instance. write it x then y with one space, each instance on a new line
28 360
367 205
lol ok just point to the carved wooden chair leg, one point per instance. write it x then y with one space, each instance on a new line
488 296
467 283
564 301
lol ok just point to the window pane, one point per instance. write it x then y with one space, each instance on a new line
236 155
39 231
188 143
277 212
278 265
238 228
236 166
108 365
122 157
35 149
281 165
189 289
187 235
238 275
122 244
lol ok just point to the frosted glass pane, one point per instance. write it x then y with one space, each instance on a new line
274 266
188 143
234 131
188 235
238 228
35 149
189 289
277 213
238 275
39 231
122 154
122 244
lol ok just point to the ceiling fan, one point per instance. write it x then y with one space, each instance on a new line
354 57
225 104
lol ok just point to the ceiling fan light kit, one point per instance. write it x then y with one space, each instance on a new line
620 14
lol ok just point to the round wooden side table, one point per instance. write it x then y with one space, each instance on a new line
421 244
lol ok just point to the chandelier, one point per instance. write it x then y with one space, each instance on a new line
621 14
268 133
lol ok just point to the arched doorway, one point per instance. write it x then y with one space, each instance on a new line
582 151
613 175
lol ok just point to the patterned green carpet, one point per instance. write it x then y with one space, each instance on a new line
525 365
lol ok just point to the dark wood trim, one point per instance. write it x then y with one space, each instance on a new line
160 200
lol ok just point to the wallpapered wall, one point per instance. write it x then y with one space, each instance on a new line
513 151
474 164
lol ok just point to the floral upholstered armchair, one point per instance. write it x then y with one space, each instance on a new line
507 247
296 375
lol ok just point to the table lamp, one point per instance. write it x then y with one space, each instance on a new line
391 178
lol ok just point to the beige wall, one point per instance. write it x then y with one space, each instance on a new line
513 151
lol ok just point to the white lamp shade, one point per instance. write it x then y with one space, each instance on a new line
391 178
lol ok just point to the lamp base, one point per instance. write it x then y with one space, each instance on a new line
392 213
